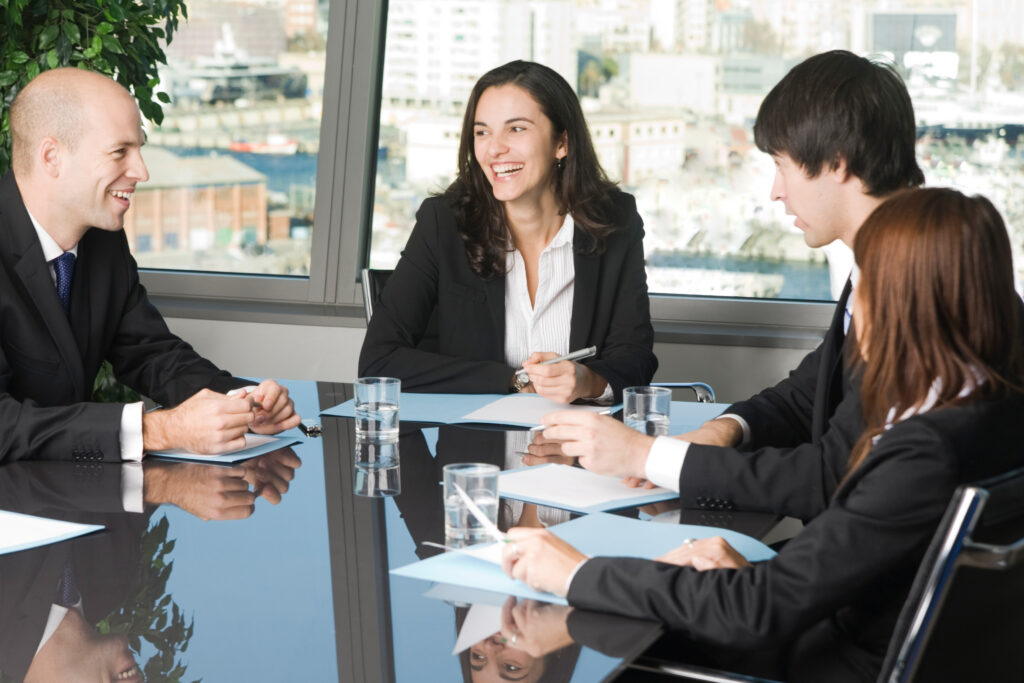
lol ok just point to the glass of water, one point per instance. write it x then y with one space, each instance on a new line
377 407
480 482
646 409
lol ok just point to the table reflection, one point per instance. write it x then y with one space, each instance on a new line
279 556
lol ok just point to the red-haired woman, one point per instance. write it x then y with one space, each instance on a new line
940 361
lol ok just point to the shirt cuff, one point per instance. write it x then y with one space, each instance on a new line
572 575
665 462
131 486
606 397
743 425
131 432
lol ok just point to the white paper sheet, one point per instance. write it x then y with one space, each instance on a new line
523 409
255 444
482 621
21 532
568 487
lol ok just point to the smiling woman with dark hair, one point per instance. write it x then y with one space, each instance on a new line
940 356
530 254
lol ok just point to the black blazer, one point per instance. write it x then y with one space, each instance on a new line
439 327
852 565
797 409
49 361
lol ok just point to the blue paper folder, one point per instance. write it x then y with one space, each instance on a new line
596 534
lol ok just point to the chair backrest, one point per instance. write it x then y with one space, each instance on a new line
373 285
964 617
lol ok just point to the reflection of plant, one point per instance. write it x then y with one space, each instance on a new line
106 388
150 613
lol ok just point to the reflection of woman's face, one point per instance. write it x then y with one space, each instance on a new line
514 144
491 660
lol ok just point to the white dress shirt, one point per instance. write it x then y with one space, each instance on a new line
543 325
131 416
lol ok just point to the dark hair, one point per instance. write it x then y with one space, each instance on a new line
937 282
582 188
836 107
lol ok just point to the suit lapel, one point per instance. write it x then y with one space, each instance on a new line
584 294
34 273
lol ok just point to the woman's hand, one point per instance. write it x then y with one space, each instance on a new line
707 553
562 382
540 559
602 443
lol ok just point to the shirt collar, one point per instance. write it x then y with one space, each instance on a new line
51 249
564 235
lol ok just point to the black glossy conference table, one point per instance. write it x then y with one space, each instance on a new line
299 590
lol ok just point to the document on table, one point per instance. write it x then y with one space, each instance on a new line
22 532
596 534
574 488
521 410
255 444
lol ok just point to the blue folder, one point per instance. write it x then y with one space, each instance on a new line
450 408
596 534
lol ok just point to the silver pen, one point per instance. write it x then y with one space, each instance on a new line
575 355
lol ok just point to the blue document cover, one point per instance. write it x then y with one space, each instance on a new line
685 416
575 489
596 534
261 444
440 408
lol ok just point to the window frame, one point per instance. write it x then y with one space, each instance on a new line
346 169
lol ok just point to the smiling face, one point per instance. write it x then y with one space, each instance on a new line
491 660
515 146
97 175
812 200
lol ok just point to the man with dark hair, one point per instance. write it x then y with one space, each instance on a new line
70 296
841 131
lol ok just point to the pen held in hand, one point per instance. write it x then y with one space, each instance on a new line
243 392
574 355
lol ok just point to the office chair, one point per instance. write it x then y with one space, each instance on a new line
373 284
964 616
704 392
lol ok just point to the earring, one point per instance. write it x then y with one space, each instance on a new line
560 164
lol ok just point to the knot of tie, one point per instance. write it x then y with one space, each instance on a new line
64 266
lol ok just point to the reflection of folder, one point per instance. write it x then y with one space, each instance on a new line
596 534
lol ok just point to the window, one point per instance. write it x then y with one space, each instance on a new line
671 89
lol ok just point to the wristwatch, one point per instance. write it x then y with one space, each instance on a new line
519 382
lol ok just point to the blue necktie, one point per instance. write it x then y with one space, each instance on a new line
64 266
67 590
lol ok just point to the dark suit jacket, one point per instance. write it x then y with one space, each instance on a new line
852 565
439 327
49 361
797 410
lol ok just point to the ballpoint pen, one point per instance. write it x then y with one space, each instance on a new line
245 391
575 355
